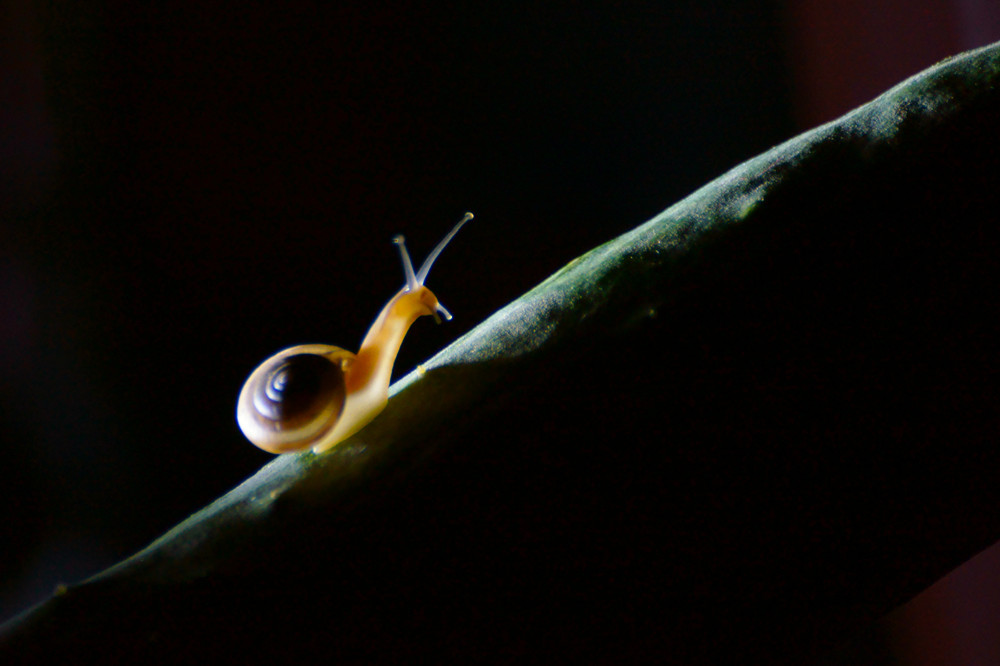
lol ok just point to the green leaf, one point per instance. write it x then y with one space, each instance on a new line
830 217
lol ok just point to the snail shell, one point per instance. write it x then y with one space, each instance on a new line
294 397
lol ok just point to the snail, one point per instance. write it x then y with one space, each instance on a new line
318 395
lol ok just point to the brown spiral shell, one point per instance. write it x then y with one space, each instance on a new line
294 397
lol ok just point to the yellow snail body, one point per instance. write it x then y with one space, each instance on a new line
318 395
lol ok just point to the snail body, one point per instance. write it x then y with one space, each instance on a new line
319 395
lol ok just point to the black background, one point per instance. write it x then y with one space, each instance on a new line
214 183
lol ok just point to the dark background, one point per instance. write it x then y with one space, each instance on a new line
187 189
